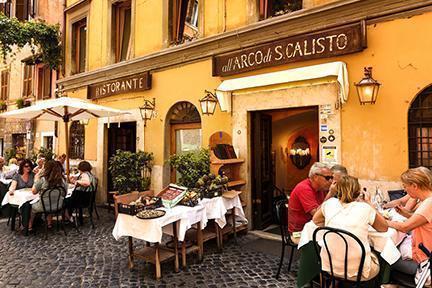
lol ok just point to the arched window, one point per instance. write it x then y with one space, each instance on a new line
76 141
420 130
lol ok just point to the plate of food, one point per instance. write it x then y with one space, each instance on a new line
150 214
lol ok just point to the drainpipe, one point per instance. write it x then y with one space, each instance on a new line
63 39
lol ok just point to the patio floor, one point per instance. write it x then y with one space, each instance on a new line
93 258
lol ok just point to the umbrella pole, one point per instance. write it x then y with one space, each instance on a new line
67 148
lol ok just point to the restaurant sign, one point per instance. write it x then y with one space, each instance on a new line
323 44
134 83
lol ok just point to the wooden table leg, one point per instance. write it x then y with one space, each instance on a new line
234 224
183 252
200 242
176 259
130 258
13 212
219 237
157 263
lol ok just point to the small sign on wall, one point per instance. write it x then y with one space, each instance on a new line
329 154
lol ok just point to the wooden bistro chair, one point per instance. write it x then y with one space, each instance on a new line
282 218
52 204
328 279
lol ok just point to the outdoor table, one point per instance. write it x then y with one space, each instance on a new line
217 207
18 201
175 222
383 242
22 200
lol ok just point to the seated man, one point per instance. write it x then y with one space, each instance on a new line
307 196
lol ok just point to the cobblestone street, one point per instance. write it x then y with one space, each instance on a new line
93 258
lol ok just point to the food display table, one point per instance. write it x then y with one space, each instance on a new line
217 208
175 222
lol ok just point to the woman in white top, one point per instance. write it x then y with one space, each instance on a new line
346 213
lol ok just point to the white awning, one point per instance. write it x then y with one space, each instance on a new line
338 69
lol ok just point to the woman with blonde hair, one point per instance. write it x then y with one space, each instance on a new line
417 182
346 213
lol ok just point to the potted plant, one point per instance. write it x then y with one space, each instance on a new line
191 166
45 153
130 172
3 105
20 103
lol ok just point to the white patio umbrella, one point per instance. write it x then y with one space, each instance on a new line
64 109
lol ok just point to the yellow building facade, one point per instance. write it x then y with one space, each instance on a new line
372 141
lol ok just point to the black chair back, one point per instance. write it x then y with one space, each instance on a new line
84 197
282 219
52 199
327 234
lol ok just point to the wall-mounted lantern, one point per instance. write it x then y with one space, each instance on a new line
208 103
147 110
84 122
367 88
300 153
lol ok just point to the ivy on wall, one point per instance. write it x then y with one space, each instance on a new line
36 33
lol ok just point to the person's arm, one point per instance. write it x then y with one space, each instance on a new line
84 181
397 202
380 224
403 211
318 217
12 187
413 222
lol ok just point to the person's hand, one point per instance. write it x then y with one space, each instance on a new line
387 205
403 211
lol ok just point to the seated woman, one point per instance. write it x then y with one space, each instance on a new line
345 212
51 177
84 183
24 178
417 183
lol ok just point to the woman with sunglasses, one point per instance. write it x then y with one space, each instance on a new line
24 178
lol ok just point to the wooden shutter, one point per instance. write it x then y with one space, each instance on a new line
179 19
22 9
27 81
4 91
44 83
265 9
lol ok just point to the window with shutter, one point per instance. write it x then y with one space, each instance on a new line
122 17
28 81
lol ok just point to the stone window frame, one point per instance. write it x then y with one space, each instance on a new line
110 39
265 8
48 134
174 36
73 16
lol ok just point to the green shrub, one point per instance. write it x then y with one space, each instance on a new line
131 171
191 166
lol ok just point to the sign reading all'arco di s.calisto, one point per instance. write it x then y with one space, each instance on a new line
322 44
133 83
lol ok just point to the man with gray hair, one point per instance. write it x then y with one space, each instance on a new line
307 196
338 171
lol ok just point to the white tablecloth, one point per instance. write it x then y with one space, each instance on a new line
217 207
383 242
151 230
19 197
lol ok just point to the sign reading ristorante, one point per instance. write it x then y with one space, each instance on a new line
329 43
134 83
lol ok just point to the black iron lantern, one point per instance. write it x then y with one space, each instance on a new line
300 153
147 110
208 103
367 88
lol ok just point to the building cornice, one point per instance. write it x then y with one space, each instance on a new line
299 22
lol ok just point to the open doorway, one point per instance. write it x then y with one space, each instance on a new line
275 136
120 137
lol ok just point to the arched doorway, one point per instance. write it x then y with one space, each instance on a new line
185 130
420 130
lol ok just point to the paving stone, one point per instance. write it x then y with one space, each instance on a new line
93 258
